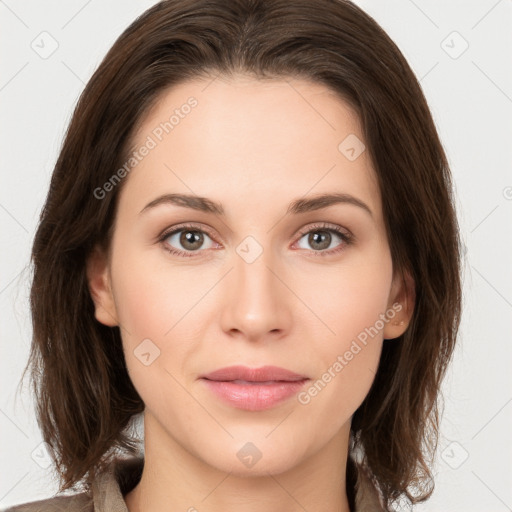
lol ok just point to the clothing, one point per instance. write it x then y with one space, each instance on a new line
109 488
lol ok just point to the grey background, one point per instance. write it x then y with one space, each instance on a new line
469 91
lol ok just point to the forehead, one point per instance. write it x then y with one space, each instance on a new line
243 141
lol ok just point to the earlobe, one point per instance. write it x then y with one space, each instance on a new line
98 278
401 303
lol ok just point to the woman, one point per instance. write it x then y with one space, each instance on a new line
250 239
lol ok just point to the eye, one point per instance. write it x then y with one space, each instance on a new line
189 240
323 236
185 240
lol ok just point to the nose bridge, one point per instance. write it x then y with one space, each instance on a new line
257 301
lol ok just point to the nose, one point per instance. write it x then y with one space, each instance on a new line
257 304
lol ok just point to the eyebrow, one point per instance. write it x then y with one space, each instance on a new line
297 206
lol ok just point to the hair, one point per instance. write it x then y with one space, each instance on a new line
84 397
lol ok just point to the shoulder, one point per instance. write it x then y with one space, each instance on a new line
368 497
365 490
107 492
81 502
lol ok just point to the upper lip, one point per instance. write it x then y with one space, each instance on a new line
263 374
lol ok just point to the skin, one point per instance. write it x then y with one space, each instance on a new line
253 146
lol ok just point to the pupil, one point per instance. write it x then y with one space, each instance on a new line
191 237
321 239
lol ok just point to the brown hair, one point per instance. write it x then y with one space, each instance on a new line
84 397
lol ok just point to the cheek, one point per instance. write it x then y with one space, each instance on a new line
157 309
349 299
351 304
152 300
337 392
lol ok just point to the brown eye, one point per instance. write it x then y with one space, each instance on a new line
319 239
183 240
323 240
191 240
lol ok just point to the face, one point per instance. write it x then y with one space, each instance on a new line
259 272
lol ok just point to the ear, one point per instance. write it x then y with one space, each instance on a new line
99 280
401 300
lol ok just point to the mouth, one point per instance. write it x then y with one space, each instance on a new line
246 374
254 389
254 383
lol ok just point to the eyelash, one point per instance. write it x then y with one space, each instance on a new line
347 239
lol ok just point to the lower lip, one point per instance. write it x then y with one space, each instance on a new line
254 397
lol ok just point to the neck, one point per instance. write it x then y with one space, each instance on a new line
175 479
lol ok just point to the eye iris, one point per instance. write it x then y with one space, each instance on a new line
191 237
315 238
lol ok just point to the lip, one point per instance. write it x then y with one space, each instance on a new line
254 389
263 374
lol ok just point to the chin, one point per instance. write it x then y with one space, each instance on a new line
254 456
